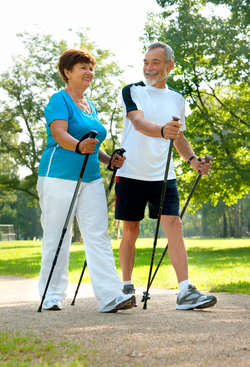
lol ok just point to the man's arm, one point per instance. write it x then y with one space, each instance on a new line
149 128
186 152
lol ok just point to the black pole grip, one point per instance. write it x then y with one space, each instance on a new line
121 151
93 134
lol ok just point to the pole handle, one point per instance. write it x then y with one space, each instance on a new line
208 158
121 151
93 134
176 118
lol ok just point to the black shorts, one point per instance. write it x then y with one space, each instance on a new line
132 196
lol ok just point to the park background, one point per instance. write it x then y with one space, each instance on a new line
211 44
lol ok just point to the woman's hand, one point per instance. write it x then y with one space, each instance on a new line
117 161
87 146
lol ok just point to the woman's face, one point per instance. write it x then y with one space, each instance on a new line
81 75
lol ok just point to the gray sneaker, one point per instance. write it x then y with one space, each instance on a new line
52 305
192 298
120 303
129 289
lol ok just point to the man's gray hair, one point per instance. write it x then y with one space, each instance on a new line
169 53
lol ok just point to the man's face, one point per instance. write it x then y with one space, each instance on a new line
155 69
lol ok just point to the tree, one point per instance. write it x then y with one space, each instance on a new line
28 86
212 71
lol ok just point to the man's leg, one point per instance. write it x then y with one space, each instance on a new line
189 297
172 227
127 249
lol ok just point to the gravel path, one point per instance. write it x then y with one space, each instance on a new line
158 336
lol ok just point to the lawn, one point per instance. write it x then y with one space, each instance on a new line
217 265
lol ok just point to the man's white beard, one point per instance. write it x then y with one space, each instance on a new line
154 81
149 81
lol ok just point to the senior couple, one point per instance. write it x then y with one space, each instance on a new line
148 126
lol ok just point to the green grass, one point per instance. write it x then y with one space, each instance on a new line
27 350
214 265
221 265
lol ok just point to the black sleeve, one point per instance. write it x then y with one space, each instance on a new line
126 95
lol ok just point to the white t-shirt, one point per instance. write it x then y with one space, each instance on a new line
146 156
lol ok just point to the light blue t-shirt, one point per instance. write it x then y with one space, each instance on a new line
62 163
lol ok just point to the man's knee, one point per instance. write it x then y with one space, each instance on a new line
176 221
171 224
131 230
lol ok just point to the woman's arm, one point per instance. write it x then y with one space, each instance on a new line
59 131
117 160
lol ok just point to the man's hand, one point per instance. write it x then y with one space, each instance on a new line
171 129
201 166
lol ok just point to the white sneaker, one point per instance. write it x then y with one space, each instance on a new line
123 302
52 305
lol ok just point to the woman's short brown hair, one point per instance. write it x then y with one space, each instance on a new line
72 57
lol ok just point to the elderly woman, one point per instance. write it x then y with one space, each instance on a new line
70 116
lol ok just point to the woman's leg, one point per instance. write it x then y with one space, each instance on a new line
55 198
92 216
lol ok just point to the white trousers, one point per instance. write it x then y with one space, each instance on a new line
91 211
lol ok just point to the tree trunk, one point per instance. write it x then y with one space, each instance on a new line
76 232
117 229
224 232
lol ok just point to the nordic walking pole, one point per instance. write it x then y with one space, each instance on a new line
208 158
119 151
92 136
164 187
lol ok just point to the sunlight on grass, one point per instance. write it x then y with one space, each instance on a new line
19 349
214 264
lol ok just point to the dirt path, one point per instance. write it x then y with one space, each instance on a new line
158 336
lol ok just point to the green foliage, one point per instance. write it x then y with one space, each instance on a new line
213 263
27 85
240 10
219 221
17 209
212 71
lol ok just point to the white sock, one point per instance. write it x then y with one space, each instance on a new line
183 286
127 282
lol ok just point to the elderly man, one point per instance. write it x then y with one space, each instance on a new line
148 128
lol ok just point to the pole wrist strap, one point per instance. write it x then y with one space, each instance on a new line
77 145
162 131
188 162
77 148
